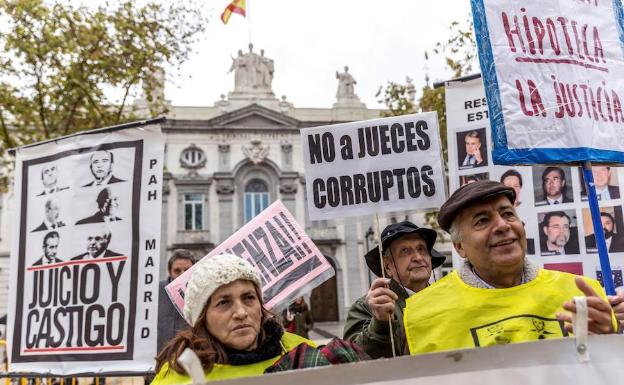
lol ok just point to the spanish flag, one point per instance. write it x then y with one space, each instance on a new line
236 6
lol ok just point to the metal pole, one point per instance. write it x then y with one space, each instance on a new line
605 266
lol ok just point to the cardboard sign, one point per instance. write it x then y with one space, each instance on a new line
373 166
554 77
288 262
467 119
86 252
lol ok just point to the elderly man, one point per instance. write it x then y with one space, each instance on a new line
408 258
107 204
558 237
97 245
101 165
51 219
497 296
474 157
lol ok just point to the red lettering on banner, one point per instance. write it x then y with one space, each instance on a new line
579 43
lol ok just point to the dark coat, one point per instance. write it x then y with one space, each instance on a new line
106 254
55 189
170 321
96 218
112 180
616 246
43 226
39 261
374 336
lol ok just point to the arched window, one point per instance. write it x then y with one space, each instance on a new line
256 198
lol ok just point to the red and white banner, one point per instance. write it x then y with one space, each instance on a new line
288 262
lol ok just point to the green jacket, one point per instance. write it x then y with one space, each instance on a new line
374 336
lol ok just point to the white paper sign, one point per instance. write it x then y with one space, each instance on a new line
373 166
85 255
554 77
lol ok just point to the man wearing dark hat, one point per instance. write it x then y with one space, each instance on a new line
497 296
408 258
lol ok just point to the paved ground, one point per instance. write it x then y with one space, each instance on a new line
325 331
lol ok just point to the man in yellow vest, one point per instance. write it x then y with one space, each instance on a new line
497 296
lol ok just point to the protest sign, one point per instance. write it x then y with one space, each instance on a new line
545 194
373 166
554 77
85 255
288 262
551 361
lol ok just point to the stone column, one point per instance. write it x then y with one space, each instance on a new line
287 163
224 185
288 190
164 225
224 157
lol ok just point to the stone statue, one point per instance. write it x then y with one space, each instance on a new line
252 72
346 84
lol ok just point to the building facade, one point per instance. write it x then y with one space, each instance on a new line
227 162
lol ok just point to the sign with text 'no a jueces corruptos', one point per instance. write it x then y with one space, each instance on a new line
554 77
85 252
373 166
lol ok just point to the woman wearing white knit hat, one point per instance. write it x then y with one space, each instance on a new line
232 334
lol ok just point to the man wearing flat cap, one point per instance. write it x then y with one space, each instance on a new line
497 296
408 258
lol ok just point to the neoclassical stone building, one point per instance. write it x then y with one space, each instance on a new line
225 163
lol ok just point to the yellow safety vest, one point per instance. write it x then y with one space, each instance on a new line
168 376
453 315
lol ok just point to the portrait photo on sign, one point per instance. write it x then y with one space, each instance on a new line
606 181
467 179
515 178
102 167
51 181
612 225
472 149
552 185
558 232
50 249
106 207
51 216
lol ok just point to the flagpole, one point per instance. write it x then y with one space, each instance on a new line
249 20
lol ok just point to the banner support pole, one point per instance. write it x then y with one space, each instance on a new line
383 275
605 266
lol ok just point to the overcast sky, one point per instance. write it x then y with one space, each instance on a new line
310 40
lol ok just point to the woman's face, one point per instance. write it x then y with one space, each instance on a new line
234 314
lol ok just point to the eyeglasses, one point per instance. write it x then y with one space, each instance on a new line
559 227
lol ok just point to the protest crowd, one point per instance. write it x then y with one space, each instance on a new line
237 307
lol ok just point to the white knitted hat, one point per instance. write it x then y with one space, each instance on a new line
211 273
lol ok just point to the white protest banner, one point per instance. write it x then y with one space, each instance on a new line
373 166
468 123
85 252
554 77
288 262
551 361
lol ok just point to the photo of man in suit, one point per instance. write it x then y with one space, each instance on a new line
107 204
51 220
602 177
558 237
49 179
101 164
97 245
615 241
50 249
473 154
554 187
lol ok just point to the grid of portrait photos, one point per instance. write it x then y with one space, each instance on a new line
75 251
552 200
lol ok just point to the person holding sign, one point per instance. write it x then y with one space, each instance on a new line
232 333
408 258
497 296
